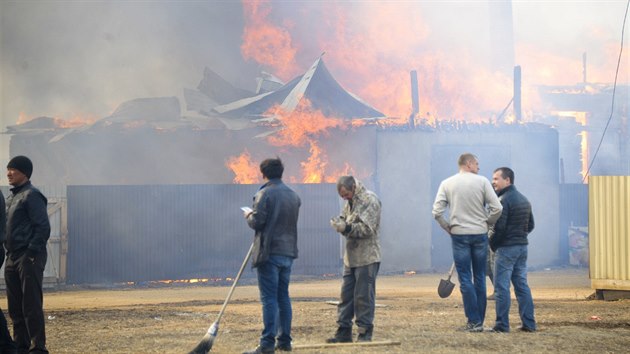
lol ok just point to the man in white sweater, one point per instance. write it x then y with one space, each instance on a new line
473 207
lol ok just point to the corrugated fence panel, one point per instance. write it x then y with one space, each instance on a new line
167 232
609 232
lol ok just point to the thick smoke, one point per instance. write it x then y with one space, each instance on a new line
67 59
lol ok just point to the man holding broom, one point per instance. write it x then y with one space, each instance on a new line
274 217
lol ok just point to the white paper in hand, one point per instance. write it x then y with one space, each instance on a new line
246 209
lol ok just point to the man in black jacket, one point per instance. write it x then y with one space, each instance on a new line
28 230
7 345
509 243
274 217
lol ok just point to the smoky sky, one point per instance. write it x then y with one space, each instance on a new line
84 58
67 58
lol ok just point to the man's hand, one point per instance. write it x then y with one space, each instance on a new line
338 223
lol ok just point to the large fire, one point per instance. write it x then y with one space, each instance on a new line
374 66
267 43
371 49
299 128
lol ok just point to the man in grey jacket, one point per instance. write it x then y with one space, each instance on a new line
467 195
359 223
274 217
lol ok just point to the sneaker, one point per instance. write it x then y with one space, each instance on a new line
474 327
260 350
365 334
496 329
527 329
284 347
343 335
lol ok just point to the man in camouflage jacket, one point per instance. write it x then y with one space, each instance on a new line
359 223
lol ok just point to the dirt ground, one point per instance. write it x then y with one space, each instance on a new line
174 318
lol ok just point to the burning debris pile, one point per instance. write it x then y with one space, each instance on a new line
320 130
311 121
227 124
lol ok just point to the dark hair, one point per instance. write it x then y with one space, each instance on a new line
506 173
272 168
347 182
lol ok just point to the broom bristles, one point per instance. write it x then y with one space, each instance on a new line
204 346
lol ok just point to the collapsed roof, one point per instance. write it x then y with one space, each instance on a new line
316 85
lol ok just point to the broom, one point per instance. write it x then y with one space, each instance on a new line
205 345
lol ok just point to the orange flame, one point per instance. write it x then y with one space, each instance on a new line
297 128
362 54
72 122
23 118
267 43
300 124
313 168
245 169
75 121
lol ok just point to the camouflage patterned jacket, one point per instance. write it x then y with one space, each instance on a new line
363 217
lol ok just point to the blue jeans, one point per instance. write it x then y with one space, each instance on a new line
273 283
511 264
470 253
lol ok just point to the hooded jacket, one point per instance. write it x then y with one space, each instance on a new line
362 215
274 218
516 220
28 227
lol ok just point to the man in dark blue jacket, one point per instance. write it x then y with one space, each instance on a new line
509 243
28 230
274 217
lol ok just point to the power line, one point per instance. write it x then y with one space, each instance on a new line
612 106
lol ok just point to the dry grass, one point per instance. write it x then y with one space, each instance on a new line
174 319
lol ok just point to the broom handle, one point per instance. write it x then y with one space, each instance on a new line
238 276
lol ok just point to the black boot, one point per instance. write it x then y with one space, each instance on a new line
343 335
365 334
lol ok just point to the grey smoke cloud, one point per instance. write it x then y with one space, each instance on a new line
84 58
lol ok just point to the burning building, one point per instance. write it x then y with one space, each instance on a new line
320 130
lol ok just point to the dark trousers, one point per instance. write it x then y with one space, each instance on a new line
358 296
7 345
24 278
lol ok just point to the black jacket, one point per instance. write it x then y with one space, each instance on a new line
28 227
516 220
275 216
3 226
3 218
